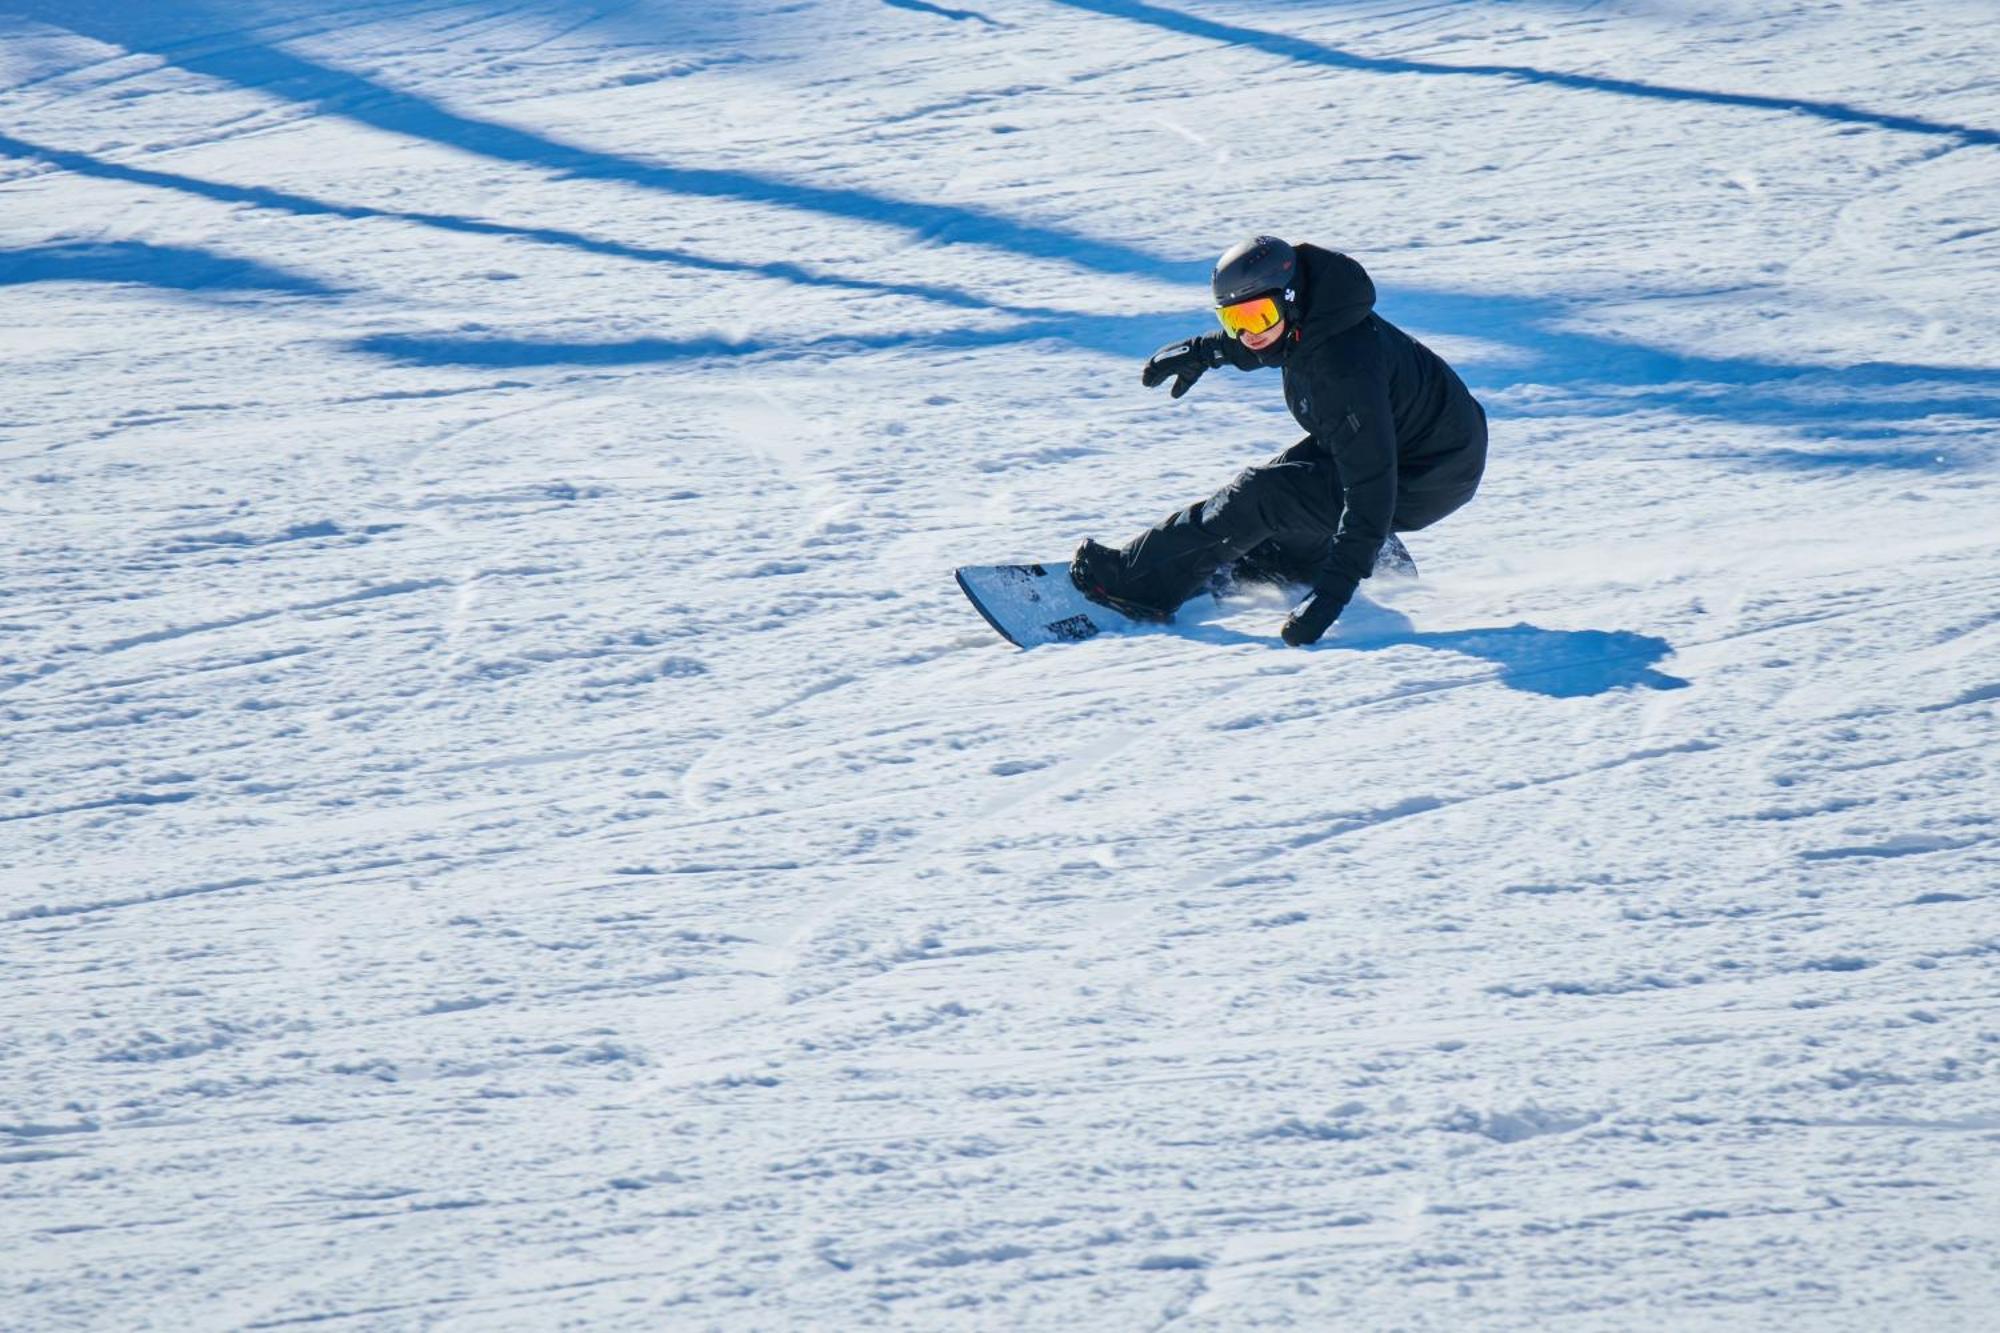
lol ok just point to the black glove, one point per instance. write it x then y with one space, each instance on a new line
1185 361
1312 618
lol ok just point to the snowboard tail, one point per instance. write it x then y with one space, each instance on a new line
1394 560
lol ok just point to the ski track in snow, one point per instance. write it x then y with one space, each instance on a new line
505 819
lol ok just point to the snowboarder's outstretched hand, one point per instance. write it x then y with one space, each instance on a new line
1184 360
1311 619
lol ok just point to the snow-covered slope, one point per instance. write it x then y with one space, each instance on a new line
507 822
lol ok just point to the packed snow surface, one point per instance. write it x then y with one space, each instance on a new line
506 821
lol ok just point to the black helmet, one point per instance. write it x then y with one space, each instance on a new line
1255 267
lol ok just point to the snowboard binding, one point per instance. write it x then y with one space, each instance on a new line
1095 569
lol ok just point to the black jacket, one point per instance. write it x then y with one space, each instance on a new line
1398 423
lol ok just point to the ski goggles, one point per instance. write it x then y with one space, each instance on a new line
1260 314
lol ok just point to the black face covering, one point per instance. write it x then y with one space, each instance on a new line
1275 354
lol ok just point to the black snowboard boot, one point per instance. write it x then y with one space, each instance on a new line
1277 562
1098 571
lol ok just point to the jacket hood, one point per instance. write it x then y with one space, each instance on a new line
1335 294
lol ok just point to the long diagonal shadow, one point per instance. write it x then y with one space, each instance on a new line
955 15
164 31
1115 335
1318 53
1615 376
84 164
172 267
1813 397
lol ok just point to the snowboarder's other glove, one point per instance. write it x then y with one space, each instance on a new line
1312 618
1184 360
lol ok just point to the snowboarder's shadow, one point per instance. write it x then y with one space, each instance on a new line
1560 663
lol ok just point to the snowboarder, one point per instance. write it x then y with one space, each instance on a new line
1395 442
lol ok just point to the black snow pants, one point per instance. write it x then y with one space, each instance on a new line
1275 520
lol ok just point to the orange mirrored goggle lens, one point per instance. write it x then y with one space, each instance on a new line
1254 316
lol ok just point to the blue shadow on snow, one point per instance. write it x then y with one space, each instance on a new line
182 35
173 267
955 15
1310 52
1614 377
1557 663
283 201
1620 376
1114 335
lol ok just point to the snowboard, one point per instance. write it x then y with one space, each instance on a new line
1035 604
1032 605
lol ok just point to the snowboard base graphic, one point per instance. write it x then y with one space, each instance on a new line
1035 604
